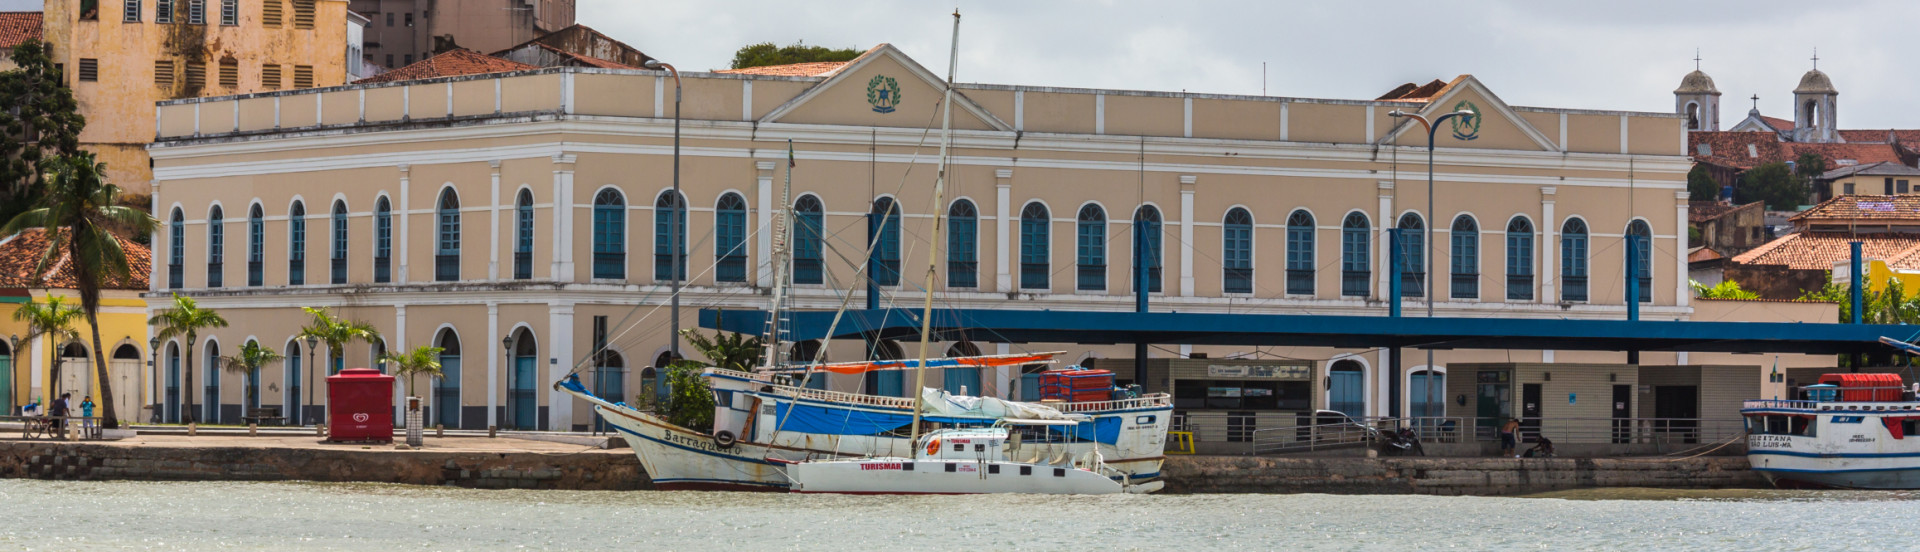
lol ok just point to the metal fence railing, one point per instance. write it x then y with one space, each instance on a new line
1296 432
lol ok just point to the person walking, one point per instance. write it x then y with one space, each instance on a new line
59 411
1509 438
86 417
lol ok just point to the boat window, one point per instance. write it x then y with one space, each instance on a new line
951 467
983 448
1026 470
993 469
1782 424
957 447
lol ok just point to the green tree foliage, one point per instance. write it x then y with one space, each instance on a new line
247 361
1773 183
52 318
80 213
40 122
1809 166
1725 290
417 362
689 400
184 320
337 333
732 351
766 53
1700 184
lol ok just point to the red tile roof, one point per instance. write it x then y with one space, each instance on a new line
1702 211
589 61
809 69
1863 209
450 63
1813 251
1777 123
1703 254
21 253
1746 150
18 27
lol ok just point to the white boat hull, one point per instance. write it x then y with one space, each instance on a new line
905 476
1840 445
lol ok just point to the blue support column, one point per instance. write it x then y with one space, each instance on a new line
1858 282
873 262
1633 278
1139 299
1393 273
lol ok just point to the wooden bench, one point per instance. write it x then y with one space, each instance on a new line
263 415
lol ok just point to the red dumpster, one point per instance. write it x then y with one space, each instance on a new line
360 406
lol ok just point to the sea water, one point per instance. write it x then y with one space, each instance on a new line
97 516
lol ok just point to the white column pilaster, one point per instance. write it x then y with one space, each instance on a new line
563 217
1549 271
1003 216
1186 230
764 208
493 361
1681 292
37 379
1383 242
559 404
399 345
493 245
406 218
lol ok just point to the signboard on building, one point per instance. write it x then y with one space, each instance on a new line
1259 372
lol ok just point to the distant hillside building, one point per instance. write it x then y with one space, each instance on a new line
1759 139
405 31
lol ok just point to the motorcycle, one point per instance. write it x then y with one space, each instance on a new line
1400 442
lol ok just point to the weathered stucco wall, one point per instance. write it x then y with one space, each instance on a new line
609 470
1448 476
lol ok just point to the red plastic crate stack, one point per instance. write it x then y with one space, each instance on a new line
1076 385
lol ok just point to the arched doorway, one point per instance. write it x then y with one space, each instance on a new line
1347 388
663 366
886 383
808 352
75 375
1427 393
251 400
609 380
446 388
292 384
124 368
522 404
6 376
173 382
963 381
211 398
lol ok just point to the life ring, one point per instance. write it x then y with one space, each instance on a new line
933 447
723 439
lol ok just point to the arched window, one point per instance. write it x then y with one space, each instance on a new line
256 246
669 221
1236 252
1573 261
176 249
382 241
1413 255
252 399
523 236
884 261
808 241
963 245
1693 116
1356 273
609 235
1465 262
1642 237
294 379
1519 259
1300 254
1033 246
1346 388
446 388
808 352
338 258
963 381
173 382
216 247
1146 223
522 399
730 239
297 244
446 258
886 383
210 399
1091 248
1427 395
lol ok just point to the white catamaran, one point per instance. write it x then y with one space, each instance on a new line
763 423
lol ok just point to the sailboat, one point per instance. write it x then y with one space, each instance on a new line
765 423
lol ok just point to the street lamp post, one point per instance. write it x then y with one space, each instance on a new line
679 214
308 407
1431 126
13 356
506 355
153 369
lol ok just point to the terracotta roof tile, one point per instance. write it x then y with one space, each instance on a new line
1746 150
1863 209
589 61
18 27
1777 123
1812 251
1702 254
1702 211
809 69
451 63
21 253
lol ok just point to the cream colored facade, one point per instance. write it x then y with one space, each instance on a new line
564 136
140 57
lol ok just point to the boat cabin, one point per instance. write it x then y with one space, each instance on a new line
975 444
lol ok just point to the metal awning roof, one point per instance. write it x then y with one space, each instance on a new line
1346 332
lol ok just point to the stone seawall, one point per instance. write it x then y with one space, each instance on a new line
1449 476
582 470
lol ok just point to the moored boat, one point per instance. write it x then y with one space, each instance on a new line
968 461
1853 431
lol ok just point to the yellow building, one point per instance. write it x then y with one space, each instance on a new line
121 57
27 365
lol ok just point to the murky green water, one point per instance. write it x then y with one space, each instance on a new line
42 515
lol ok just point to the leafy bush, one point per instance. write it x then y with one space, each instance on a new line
689 400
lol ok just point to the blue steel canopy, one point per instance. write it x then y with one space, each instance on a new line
1346 332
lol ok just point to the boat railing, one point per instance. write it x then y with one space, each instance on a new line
1144 401
1147 401
1298 432
1779 404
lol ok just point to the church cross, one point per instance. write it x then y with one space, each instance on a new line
1816 59
1696 59
1756 102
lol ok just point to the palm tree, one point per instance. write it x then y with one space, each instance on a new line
186 319
337 333
247 361
79 213
733 351
420 360
53 318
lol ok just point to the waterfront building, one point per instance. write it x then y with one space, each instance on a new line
523 220
27 364
121 57
405 31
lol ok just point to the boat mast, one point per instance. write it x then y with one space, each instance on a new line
782 234
933 256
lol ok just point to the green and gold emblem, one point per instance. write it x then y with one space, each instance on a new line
884 93
1466 128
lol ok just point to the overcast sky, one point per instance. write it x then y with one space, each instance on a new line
1617 54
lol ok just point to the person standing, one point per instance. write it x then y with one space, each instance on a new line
1509 438
86 416
59 411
